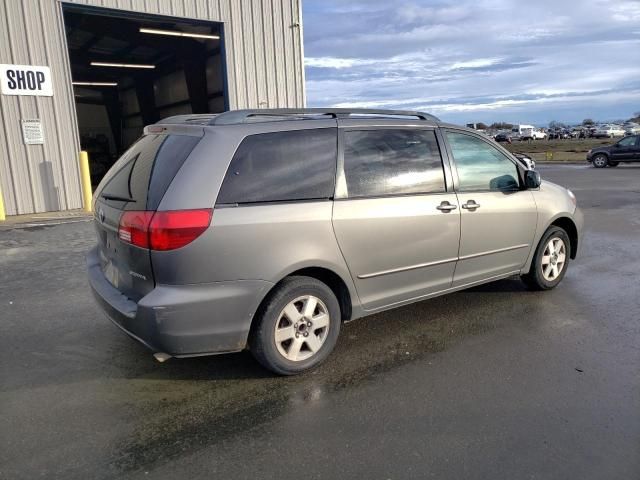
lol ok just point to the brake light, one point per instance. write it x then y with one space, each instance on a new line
174 229
134 228
166 230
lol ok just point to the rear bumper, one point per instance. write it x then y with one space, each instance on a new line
182 320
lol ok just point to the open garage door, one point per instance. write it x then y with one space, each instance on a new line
130 70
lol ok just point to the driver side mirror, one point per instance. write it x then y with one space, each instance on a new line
532 179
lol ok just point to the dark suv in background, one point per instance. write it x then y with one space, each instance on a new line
626 149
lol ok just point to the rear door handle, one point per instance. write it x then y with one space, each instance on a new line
446 207
471 205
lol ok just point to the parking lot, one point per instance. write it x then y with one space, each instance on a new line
493 382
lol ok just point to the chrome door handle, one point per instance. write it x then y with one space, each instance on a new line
446 207
471 205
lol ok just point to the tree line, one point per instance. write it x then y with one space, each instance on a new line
587 122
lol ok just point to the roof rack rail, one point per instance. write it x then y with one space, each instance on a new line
241 116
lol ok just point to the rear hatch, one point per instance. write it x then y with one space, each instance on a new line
136 183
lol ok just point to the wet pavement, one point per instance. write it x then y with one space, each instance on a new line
493 382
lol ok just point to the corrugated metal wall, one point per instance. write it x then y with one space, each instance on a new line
264 59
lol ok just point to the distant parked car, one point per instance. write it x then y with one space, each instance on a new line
589 131
631 128
625 150
558 134
575 133
504 137
580 132
609 131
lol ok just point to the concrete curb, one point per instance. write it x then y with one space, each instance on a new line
45 219
560 162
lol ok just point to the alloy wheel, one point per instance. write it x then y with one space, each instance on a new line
553 259
302 328
600 161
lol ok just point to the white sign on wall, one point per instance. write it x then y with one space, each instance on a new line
25 80
32 132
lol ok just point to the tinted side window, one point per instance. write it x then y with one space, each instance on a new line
481 166
627 142
282 166
392 162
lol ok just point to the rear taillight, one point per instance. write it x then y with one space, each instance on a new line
177 228
166 230
134 228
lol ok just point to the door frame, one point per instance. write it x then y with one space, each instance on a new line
522 188
340 195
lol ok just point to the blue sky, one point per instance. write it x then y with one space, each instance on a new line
476 60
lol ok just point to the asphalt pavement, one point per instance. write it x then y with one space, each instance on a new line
491 383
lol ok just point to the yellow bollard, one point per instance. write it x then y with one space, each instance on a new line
85 178
3 216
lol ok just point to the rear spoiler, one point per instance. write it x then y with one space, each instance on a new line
175 129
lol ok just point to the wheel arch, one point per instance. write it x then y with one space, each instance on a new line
329 277
570 227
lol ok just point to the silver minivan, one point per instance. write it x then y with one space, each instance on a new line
267 229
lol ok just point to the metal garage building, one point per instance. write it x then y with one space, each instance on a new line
112 66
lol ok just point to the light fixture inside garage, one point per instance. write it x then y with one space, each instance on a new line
176 33
95 84
122 65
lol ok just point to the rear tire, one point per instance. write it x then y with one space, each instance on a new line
550 261
600 160
297 327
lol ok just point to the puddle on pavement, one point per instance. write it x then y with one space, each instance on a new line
196 403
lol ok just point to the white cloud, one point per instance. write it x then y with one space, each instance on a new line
473 60
475 63
626 12
331 62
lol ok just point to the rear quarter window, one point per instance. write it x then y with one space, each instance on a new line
282 166
144 172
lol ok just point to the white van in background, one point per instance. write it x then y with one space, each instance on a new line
527 132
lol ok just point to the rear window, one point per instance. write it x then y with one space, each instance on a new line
140 178
282 166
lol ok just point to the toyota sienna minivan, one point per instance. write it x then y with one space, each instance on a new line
267 229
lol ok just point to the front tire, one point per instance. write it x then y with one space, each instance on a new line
297 327
600 160
612 164
550 261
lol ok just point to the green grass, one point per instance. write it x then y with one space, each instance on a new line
570 150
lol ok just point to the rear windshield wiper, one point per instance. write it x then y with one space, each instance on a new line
108 196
